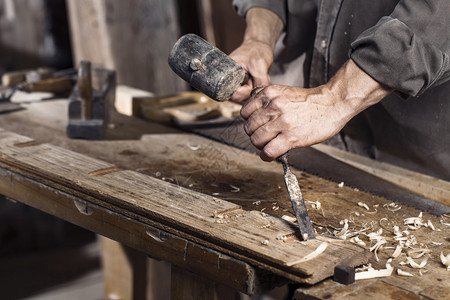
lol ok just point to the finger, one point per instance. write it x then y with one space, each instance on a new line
242 93
253 104
275 148
261 80
263 135
256 120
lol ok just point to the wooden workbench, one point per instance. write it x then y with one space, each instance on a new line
204 167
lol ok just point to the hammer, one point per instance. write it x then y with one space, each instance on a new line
215 74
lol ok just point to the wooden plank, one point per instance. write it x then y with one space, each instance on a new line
421 184
178 208
126 98
141 236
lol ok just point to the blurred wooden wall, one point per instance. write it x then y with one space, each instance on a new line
220 25
134 37
33 33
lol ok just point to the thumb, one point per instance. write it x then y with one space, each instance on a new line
261 80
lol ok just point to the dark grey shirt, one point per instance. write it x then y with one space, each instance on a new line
404 44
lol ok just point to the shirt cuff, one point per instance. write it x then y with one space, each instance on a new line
393 55
276 6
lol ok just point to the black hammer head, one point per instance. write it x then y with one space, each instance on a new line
205 67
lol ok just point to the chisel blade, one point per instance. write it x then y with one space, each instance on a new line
298 204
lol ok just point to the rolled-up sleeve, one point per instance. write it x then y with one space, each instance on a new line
276 6
408 50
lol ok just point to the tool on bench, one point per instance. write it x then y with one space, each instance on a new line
37 80
212 72
90 102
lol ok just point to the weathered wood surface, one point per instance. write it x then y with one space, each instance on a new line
241 235
164 152
148 239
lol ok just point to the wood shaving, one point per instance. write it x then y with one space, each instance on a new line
289 218
194 147
443 223
392 206
372 273
377 247
282 237
418 253
215 194
263 213
356 240
222 221
315 204
319 250
257 202
362 204
414 223
436 243
415 265
430 225
235 189
445 260
397 251
404 273
342 234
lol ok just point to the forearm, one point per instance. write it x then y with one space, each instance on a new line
262 26
354 90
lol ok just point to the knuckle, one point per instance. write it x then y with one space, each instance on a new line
254 138
276 104
269 153
285 119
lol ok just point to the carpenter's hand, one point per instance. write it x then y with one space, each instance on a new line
280 118
255 54
255 57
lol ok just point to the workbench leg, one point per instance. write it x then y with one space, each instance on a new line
189 286
124 270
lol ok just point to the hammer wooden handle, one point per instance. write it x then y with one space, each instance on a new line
84 84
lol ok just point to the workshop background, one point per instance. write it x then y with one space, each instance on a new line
120 184
132 37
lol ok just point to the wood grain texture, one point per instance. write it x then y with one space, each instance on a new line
178 208
127 229
209 167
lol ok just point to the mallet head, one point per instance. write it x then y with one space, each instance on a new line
205 67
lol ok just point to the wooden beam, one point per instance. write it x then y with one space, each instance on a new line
124 271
